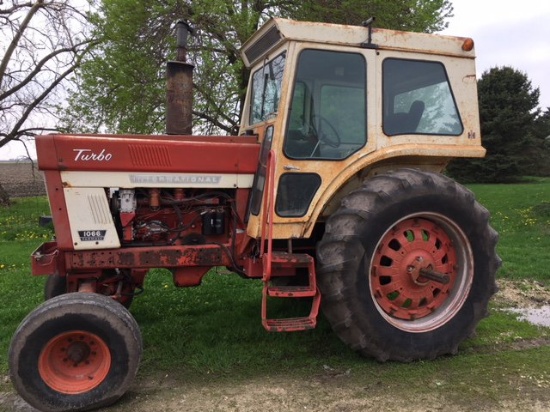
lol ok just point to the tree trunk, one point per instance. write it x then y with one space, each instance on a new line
4 197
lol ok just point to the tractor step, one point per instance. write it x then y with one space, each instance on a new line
289 324
290 262
291 291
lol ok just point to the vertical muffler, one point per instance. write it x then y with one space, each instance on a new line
179 86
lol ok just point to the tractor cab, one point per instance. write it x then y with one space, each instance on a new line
336 104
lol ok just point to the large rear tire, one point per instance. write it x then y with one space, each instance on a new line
75 352
407 266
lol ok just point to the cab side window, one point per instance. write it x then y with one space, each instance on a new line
418 99
266 90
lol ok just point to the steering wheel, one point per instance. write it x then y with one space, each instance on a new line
332 138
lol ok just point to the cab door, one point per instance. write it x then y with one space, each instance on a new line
325 129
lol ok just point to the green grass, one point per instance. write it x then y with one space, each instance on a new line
520 213
214 331
20 292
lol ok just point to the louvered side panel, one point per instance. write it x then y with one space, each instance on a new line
99 209
149 155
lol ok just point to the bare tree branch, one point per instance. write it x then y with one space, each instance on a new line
15 41
32 75
49 39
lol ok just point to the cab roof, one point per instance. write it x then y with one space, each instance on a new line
277 31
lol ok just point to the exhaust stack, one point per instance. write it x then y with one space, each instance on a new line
179 86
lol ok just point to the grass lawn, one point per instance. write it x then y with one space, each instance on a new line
214 331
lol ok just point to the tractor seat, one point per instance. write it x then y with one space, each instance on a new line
403 123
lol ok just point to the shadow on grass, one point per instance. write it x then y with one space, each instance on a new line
216 329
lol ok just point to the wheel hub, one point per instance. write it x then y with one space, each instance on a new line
74 362
422 272
414 269
415 266
78 352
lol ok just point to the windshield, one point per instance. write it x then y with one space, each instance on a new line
266 89
328 112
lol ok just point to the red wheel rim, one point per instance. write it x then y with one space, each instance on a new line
406 255
74 362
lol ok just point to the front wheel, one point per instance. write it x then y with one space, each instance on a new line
407 266
75 352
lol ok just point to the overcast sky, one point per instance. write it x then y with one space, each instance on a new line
506 33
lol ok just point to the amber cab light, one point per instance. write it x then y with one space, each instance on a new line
468 44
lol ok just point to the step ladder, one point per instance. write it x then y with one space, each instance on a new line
290 261
284 264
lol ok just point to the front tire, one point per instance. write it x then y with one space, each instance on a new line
407 266
75 352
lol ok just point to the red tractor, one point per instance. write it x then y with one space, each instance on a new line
332 190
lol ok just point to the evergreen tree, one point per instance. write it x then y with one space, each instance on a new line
508 109
540 152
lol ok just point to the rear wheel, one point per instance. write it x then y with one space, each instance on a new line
75 352
407 266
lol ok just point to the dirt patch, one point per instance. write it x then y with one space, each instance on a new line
342 393
521 294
